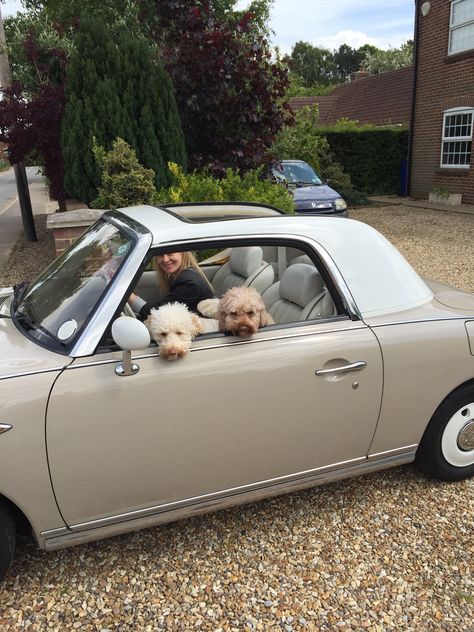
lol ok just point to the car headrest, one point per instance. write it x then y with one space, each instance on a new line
245 260
301 283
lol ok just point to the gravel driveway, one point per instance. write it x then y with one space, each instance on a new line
389 551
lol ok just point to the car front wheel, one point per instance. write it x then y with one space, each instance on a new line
7 537
446 450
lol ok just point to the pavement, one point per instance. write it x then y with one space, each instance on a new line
11 225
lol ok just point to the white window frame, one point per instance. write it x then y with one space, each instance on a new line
457 27
457 139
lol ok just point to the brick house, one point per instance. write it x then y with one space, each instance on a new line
383 99
443 99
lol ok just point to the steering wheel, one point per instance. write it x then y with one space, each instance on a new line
128 311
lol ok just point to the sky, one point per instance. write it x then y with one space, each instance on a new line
329 23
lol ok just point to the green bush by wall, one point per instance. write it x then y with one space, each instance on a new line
202 187
371 157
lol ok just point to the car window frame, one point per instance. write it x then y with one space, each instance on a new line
343 309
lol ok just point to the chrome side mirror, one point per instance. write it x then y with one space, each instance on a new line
129 333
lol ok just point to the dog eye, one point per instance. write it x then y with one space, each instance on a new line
179 333
250 313
163 334
233 313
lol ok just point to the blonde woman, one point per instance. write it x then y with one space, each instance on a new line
181 281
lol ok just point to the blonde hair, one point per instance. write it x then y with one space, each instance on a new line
188 261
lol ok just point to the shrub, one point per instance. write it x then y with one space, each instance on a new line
229 90
301 141
202 187
124 180
371 155
116 87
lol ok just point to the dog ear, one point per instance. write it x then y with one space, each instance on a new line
220 317
265 319
197 325
149 323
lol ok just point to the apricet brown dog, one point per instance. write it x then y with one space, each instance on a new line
241 312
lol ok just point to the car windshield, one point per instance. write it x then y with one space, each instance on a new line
297 173
54 308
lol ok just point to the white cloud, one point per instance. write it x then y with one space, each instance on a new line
330 23
356 39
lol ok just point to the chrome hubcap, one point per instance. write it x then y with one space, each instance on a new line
466 437
457 442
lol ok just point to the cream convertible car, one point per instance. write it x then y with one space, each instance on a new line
368 366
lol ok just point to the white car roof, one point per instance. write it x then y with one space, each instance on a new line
377 275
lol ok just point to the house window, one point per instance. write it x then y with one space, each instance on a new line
457 138
461 26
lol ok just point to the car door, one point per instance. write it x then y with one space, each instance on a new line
230 415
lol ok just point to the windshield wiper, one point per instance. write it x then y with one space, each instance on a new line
30 324
18 291
302 183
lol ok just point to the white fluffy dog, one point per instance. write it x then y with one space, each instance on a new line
173 327
240 311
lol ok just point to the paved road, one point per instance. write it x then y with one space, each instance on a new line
11 226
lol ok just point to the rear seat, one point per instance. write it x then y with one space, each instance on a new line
245 267
290 256
300 295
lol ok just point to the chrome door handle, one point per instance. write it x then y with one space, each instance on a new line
345 368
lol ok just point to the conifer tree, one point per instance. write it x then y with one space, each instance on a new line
115 87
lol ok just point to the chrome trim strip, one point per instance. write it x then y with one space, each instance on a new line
406 448
205 506
333 270
52 532
90 338
5 428
417 320
37 372
213 345
215 495
100 362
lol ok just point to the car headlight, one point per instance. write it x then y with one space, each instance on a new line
340 204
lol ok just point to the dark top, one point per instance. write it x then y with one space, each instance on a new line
188 287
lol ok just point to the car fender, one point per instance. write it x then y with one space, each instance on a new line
416 381
24 473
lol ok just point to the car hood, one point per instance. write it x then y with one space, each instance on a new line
19 355
320 193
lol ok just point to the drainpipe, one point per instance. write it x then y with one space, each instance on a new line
413 99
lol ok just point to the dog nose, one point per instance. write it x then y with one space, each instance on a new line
244 330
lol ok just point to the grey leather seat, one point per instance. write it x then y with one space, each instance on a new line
245 267
300 295
288 254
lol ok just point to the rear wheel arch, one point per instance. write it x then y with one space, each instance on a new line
446 450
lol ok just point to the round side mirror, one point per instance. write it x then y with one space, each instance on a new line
129 333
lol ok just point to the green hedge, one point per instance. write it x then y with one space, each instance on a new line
371 157
202 187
